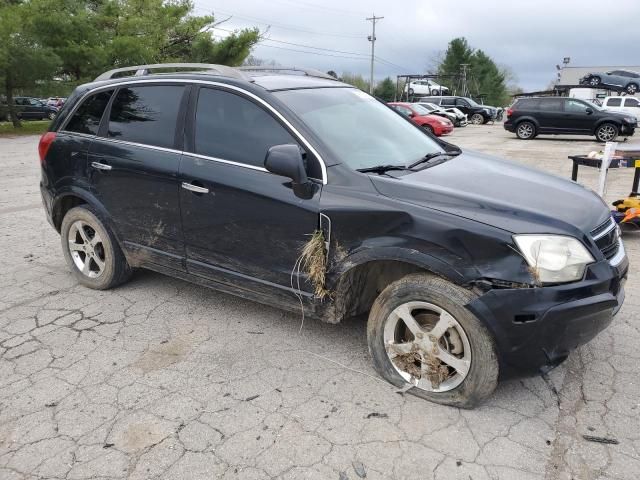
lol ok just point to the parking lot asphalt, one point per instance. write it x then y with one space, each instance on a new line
163 379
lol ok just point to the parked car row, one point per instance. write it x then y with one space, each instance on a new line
29 108
530 117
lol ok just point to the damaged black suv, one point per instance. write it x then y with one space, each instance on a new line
288 187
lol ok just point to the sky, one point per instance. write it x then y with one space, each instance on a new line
530 37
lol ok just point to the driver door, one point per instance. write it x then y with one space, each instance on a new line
242 225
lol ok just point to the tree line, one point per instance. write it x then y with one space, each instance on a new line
53 45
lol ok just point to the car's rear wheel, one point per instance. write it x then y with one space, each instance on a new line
526 130
607 132
429 128
632 89
51 116
594 81
477 119
423 338
91 251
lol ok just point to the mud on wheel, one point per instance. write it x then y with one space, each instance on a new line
423 338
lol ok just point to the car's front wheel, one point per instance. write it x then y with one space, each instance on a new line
526 130
594 81
51 115
632 89
429 129
607 132
91 251
422 337
477 119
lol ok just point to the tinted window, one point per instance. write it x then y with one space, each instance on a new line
403 110
631 102
88 115
575 106
448 101
231 127
527 104
614 102
461 102
146 114
550 105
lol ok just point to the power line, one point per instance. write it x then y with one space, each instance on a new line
312 53
281 25
298 3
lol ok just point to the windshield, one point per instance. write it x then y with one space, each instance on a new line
429 106
472 102
361 131
420 110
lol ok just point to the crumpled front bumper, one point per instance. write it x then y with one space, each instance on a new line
536 328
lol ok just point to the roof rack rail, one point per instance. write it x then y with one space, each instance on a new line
141 70
309 72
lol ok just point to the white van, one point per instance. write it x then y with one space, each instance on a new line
626 105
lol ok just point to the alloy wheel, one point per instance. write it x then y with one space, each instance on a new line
525 130
593 81
606 133
477 119
427 346
632 88
86 249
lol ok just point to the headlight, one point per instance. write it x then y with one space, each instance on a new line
444 121
630 119
554 258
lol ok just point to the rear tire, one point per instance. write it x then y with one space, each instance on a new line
607 132
51 116
91 250
477 119
594 81
526 130
429 300
632 89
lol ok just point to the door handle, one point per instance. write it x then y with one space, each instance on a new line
101 166
194 188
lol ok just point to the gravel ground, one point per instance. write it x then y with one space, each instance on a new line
164 379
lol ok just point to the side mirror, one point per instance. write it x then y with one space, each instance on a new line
589 110
286 161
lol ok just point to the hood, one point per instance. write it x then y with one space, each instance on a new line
499 193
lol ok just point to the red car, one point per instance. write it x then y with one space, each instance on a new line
437 125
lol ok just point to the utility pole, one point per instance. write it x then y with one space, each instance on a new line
372 39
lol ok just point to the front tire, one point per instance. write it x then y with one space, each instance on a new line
526 130
51 116
429 129
477 119
594 81
422 336
91 250
607 132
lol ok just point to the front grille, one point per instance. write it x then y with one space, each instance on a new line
606 237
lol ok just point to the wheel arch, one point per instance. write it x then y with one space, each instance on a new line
527 118
72 197
602 121
357 280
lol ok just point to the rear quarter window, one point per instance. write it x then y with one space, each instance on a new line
527 104
86 118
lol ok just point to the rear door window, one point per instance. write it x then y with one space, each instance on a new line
231 127
146 114
87 117
550 105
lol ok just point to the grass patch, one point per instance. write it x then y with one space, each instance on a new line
34 127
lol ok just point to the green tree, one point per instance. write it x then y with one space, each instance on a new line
485 78
355 80
385 90
23 61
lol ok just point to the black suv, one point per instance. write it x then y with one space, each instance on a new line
529 117
302 191
476 113
28 108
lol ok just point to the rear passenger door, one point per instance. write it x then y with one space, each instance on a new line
632 107
133 168
550 116
242 225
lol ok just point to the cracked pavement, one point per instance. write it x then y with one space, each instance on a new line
163 379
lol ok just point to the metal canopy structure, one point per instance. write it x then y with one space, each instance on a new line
408 78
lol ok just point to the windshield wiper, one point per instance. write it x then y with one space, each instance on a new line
431 156
382 168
